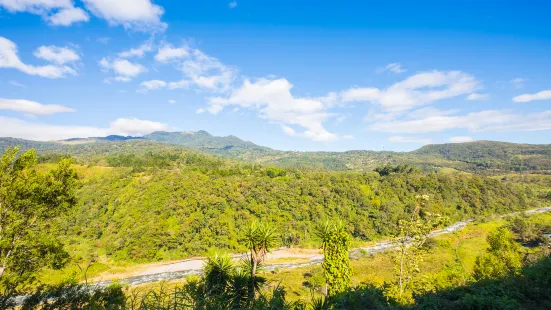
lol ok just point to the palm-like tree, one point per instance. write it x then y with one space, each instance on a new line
260 239
219 270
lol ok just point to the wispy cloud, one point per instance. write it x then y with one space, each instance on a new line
461 139
15 83
9 58
402 139
393 67
517 82
542 95
417 90
476 96
55 12
17 128
273 100
141 15
124 69
31 107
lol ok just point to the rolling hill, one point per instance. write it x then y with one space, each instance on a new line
484 157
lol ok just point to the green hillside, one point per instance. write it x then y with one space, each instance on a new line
484 157
172 204
201 140
491 154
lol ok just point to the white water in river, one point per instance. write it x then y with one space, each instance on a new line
184 268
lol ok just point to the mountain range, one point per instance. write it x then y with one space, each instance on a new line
481 156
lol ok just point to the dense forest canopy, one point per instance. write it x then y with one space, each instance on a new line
482 157
142 201
169 204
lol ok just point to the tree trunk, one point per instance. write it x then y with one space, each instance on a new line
253 277
401 271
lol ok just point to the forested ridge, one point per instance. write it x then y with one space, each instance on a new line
170 205
136 201
482 157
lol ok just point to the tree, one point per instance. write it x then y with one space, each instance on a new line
409 242
30 201
336 263
501 258
260 239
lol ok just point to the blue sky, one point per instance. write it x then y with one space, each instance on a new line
292 75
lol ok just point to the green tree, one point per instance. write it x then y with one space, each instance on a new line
218 273
413 234
501 258
260 239
30 201
336 263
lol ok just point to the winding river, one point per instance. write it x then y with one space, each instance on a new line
195 266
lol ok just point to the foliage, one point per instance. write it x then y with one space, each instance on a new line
501 258
336 264
528 232
259 239
409 242
530 288
140 213
484 157
30 203
76 296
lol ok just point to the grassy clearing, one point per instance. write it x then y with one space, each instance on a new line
465 245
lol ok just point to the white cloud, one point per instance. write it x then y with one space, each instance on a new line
124 69
10 59
139 51
56 12
103 40
475 121
152 84
401 139
140 15
168 53
199 69
542 95
17 128
274 102
232 4
476 96
200 110
529 122
288 130
159 84
178 84
461 139
68 16
393 67
208 72
31 107
128 69
15 83
428 112
518 82
135 127
172 101
417 90
57 55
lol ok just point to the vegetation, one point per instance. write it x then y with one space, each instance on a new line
140 201
409 242
336 264
143 210
482 157
30 204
